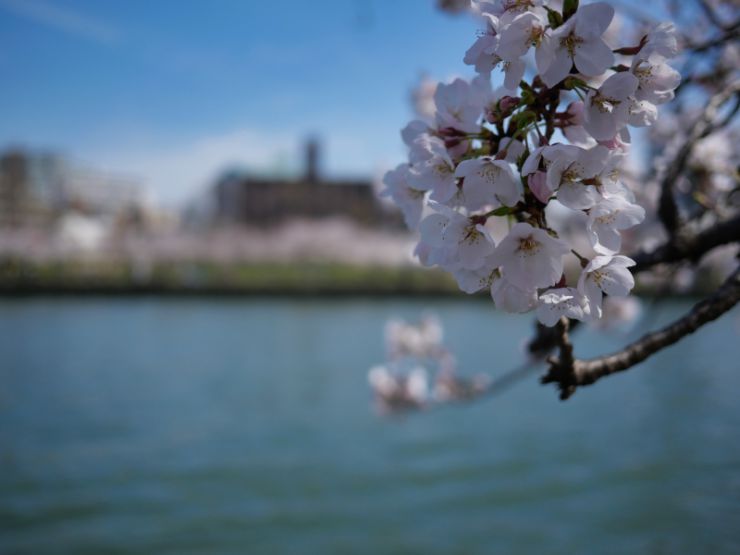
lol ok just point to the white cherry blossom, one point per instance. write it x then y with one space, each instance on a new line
422 97
472 281
507 296
656 79
487 181
458 106
618 312
607 218
485 147
507 10
414 131
510 149
579 41
459 241
608 181
605 274
575 132
570 172
620 142
408 199
470 239
432 255
529 257
525 31
641 113
435 173
607 109
661 39
513 73
420 340
565 301
510 298
422 145
483 54
417 385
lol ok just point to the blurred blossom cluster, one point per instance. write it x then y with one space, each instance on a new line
710 182
506 185
414 351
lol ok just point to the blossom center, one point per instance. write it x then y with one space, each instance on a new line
571 42
443 169
606 219
528 246
535 36
605 104
571 174
489 172
518 5
643 72
487 280
471 235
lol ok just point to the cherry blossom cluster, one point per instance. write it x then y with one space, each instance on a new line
413 351
490 171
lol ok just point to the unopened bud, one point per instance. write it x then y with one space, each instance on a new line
450 132
571 83
507 104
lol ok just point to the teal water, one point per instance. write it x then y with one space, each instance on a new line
246 426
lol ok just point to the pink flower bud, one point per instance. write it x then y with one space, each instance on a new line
538 185
508 103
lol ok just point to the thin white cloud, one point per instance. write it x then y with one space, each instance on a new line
62 19
175 172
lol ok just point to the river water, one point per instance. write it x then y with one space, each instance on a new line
246 426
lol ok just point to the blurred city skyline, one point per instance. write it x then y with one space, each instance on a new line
174 98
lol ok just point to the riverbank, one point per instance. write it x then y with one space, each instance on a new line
20 277
116 277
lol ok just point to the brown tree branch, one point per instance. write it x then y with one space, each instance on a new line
569 374
564 363
706 124
710 14
731 34
690 248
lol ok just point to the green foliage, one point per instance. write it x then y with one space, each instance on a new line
569 8
523 119
502 211
554 18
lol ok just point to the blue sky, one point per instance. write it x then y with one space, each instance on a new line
173 91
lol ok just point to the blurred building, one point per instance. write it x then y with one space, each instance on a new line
37 188
25 188
249 200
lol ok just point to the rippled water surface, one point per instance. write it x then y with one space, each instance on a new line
246 426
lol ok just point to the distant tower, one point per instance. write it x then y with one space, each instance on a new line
14 188
312 160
